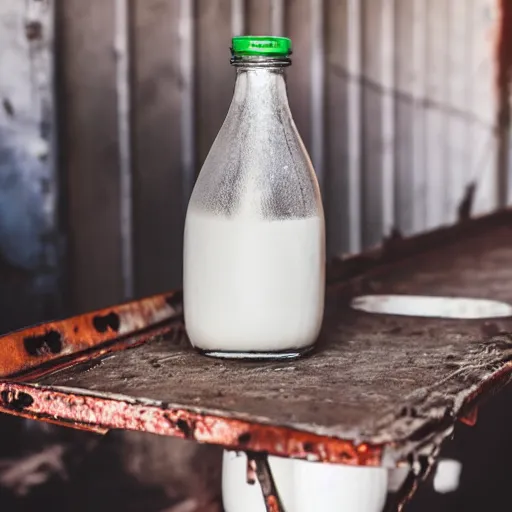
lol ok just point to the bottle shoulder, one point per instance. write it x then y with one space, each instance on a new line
259 166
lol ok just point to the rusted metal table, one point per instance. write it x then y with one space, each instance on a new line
379 389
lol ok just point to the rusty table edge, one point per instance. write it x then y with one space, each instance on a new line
26 353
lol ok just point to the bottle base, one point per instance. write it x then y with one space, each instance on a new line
257 356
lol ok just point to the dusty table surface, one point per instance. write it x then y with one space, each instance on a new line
378 389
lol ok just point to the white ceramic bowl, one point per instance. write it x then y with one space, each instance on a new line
305 486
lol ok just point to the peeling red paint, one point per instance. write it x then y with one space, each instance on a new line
99 413
23 350
470 418
273 504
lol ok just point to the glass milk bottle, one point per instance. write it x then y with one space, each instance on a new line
254 245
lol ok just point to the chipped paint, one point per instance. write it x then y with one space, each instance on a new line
21 351
122 412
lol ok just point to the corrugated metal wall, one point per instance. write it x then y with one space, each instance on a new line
394 99
29 235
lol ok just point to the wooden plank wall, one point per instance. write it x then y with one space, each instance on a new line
394 100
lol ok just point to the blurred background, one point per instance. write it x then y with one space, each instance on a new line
109 108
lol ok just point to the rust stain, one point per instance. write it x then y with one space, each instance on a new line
470 418
272 504
261 468
95 353
86 411
494 383
26 349
95 429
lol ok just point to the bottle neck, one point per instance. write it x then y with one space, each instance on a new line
264 85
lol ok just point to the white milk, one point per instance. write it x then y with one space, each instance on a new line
253 285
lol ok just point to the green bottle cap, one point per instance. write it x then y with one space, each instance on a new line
261 45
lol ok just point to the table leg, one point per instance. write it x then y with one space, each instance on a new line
258 464
397 500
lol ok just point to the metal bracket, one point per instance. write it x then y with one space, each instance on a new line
257 464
